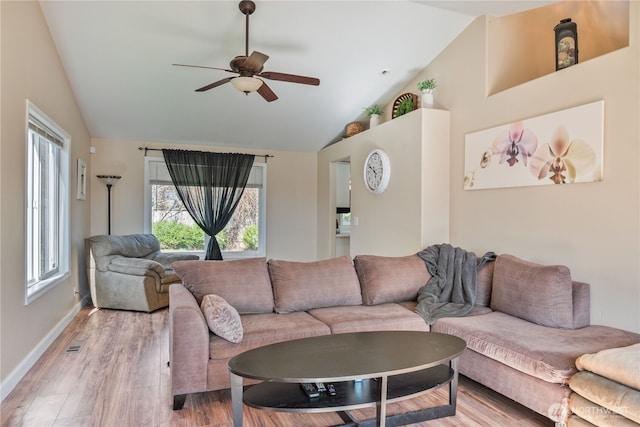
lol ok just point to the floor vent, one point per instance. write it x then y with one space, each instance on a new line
73 348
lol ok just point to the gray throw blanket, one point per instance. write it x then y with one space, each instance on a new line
452 289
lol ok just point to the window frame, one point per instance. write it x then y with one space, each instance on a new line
262 213
34 287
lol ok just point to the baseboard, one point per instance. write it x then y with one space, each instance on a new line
21 370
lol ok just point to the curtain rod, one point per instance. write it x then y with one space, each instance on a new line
147 149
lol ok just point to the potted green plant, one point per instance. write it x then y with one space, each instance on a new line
374 112
427 87
406 106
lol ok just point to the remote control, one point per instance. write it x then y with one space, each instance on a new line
310 390
321 387
332 389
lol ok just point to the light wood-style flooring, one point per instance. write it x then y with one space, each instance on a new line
119 377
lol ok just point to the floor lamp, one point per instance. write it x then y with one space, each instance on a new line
109 180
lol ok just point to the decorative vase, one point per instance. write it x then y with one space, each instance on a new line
427 99
374 120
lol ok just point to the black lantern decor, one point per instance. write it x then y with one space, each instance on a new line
566 44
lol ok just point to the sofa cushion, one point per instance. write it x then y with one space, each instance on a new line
475 311
363 318
485 279
222 319
390 279
542 352
243 283
300 286
537 293
268 328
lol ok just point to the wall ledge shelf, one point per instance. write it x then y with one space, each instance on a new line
520 47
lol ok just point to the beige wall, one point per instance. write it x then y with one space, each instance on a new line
291 194
32 70
592 228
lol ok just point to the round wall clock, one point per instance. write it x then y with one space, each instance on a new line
377 170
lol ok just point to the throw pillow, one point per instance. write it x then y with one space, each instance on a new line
541 294
300 286
222 318
390 279
244 283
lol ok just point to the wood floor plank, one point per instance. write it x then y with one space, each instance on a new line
120 377
44 410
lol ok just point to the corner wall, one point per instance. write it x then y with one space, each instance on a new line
413 211
31 69
594 228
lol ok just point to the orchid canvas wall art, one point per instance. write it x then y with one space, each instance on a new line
564 147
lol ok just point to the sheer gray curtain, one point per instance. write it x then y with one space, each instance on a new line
210 186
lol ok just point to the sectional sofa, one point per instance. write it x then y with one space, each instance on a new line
528 324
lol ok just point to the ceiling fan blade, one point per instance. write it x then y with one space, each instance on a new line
208 68
255 61
267 93
215 84
202 66
271 75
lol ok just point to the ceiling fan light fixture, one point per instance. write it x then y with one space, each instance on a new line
246 84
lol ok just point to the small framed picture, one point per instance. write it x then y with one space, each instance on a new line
82 180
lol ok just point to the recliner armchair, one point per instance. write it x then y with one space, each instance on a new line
130 272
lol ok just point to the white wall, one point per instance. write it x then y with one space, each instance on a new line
592 228
291 194
31 69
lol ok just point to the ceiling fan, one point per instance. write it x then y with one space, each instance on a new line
250 67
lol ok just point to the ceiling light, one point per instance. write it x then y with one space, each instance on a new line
246 84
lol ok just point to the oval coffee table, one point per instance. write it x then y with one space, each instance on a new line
366 368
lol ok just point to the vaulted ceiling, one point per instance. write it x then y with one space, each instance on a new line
118 56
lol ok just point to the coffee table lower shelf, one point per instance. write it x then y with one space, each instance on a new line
289 397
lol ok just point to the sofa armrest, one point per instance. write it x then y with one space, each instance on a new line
581 304
188 343
168 258
135 266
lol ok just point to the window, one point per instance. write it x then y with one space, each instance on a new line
167 218
47 210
